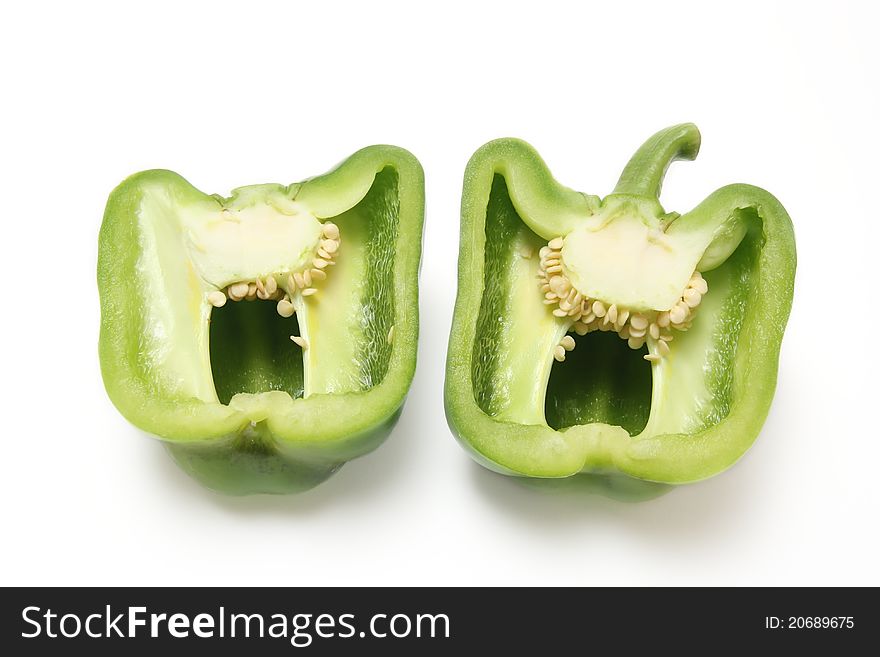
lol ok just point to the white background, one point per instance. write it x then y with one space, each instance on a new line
786 96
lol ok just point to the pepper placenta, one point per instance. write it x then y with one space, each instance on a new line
608 338
269 337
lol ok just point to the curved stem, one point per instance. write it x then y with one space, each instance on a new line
643 175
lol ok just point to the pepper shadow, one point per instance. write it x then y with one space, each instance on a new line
674 516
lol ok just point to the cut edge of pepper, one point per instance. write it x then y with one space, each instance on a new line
183 421
600 448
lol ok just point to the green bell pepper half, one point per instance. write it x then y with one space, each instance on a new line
604 412
239 405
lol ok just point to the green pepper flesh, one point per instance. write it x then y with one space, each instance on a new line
605 411
239 405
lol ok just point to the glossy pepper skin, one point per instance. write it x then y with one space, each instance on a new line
625 427
251 425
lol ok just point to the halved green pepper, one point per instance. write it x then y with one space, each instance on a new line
608 338
269 337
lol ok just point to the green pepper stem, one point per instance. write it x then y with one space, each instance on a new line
643 174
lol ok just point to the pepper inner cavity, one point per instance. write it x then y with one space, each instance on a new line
251 352
601 380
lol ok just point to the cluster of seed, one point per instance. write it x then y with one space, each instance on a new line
247 291
589 315
302 281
